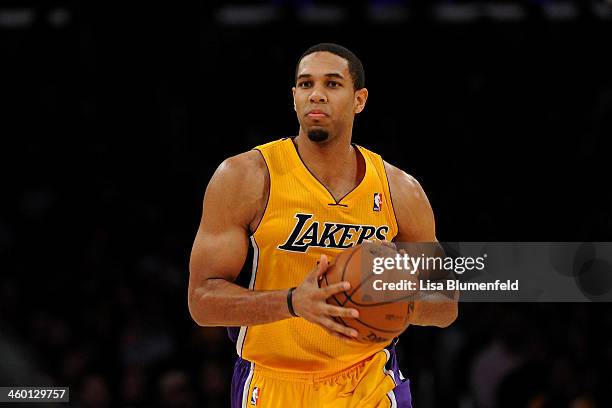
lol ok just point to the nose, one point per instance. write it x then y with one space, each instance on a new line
316 96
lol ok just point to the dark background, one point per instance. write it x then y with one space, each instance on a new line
114 117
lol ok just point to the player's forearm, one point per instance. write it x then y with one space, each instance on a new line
435 310
219 302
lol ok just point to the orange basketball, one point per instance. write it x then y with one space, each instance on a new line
383 315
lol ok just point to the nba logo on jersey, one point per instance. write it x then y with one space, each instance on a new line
377 201
255 395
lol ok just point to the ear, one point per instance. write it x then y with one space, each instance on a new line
293 94
361 96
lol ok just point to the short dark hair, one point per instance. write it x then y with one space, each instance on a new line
354 64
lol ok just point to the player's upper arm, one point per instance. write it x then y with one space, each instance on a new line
233 202
416 224
412 209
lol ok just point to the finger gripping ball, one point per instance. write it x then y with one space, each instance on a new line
384 314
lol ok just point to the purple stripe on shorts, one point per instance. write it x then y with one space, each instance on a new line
233 332
403 397
242 368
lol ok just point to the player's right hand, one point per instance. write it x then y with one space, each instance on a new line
309 303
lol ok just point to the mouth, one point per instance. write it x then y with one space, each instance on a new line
316 114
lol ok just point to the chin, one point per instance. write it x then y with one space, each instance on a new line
318 134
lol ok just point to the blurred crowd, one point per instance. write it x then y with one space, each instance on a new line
113 122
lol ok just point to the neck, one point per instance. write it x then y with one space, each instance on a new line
330 160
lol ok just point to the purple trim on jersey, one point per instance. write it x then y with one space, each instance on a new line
242 368
403 397
233 332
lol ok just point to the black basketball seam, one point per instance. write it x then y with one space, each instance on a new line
376 328
399 300
360 285
336 318
358 320
350 297
344 323
344 271
347 261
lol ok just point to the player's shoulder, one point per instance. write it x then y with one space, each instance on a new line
403 182
411 205
241 182
243 164
251 163
244 174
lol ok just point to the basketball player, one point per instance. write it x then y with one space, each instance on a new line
300 201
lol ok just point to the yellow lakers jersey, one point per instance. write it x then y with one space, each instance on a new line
301 221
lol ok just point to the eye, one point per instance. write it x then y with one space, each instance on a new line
334 84
304 84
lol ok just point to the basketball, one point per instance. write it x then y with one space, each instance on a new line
382 315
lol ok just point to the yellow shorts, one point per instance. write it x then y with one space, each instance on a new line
375 382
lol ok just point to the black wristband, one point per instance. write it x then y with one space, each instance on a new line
290 302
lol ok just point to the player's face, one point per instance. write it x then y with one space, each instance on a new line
324 97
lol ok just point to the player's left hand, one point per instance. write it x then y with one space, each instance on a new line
309 302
